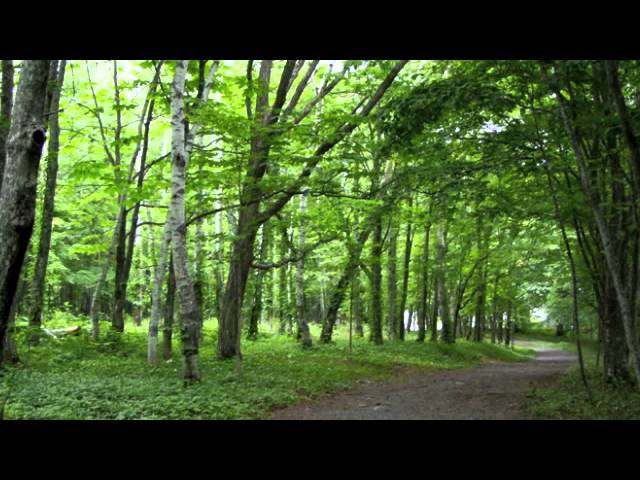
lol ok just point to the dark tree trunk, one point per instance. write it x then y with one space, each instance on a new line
392 284
303 325
340 289
18 196
375 334
6 104
256 307
242 258
441 285
508 328
424 285
47 208
494 306
478 330
119 297
405 278
356 301
283 303
608 237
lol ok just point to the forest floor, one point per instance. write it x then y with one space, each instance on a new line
491 391
78 378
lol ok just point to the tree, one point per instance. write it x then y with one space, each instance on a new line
250 218
49 201
189 308
18 196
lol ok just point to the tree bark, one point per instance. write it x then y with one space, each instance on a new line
257 308
375 333
356 301
300 297
424 284
18 196
443 297
405 277
392 283
6 105
47 208
189 308
169 309
339 291
126 241
612 259
156 296
574 281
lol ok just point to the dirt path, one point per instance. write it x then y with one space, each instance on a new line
493 391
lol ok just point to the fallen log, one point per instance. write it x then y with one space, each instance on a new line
59 332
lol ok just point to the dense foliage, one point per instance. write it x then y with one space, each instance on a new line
445 201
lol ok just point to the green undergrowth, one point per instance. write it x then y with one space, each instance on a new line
77 378
566 399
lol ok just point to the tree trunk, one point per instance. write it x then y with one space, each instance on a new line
250 216
443 297
6 105
219 268
18 196
405 278
392 285
613 261
300 303
478 327
283 304
508 329
169 309
340 288
424 284
156 295
189 308
375 333
256 308
119 297
357 303
47 208
97 292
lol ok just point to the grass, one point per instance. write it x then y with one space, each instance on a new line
76 378
566 399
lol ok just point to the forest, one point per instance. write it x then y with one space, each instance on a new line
238 239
